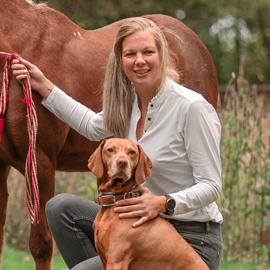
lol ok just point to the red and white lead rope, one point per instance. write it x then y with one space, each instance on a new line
32 192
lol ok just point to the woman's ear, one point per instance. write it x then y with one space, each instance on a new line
143 168
95 163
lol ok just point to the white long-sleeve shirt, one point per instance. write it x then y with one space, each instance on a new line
181 137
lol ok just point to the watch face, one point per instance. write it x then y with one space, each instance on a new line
171 204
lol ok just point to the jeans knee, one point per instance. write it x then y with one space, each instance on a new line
56 205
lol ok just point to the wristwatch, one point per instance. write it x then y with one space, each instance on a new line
170 205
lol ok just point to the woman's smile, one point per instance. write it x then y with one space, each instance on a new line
141 72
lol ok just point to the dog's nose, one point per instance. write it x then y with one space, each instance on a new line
122 163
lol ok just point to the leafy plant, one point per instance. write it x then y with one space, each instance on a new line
246 179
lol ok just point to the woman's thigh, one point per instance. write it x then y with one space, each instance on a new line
206 239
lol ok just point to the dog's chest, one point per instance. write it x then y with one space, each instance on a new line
108 225
104 223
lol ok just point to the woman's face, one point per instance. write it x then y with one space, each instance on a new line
141 60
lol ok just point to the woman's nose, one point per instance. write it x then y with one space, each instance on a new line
139 59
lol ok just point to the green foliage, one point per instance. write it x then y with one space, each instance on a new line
246 180
81 184
87 185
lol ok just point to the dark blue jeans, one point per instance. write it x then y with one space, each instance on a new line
205 238
71 218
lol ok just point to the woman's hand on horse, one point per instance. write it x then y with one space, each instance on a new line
21 68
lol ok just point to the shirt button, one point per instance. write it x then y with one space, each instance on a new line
152 105
149 119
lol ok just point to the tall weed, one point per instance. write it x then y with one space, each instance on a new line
246 171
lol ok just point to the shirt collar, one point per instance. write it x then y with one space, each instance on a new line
159 98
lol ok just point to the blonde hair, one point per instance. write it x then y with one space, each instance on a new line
118 96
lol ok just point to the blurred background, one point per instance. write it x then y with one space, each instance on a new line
237 34
228 28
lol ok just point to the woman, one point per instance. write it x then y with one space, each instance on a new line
177 128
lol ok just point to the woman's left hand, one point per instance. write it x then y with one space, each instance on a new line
147 206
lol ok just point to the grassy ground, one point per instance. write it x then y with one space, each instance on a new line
237 266
19 260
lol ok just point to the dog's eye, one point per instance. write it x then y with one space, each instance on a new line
132 152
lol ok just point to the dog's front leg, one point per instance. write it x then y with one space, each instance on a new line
122 265
119 254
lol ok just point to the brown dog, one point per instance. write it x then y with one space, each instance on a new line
119 166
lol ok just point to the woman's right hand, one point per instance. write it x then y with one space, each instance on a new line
21 68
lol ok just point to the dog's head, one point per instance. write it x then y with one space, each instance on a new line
119 164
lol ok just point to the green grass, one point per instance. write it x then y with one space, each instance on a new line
238 266
19 260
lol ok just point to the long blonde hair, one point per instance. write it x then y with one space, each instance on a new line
118 96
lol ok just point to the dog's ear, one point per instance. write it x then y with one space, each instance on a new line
95 163
143 168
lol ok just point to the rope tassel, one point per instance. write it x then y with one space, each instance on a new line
32 191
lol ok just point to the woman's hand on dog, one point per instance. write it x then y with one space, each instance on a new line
147 206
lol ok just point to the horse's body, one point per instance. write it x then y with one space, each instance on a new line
75 60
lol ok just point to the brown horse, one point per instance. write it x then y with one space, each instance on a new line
74 59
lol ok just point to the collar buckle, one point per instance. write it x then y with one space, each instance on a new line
132 194
107 196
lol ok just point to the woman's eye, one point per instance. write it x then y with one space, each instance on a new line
149 52
129 54
110 150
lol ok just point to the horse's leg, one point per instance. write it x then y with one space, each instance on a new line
4 170
40 242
